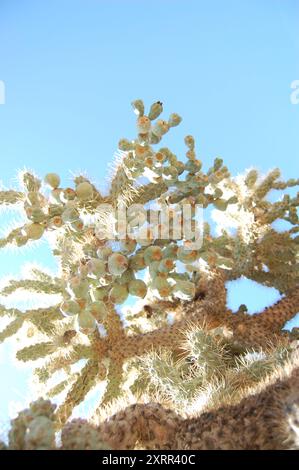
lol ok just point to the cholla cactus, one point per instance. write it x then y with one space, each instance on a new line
209 357
267 418
34 429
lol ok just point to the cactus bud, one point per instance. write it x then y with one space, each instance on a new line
137 262
21 240
155 139
35 214
218 193
165 151
193 166
98 310
77 225
125 145
170 251
89 250
34 231
154 269
83 270
118 294
117 264
138 107
142 151
170 171
187 256
96 266
166 265
129 245
218 162
138 288
174 120
69 194
232 200
100 293
180 166
189 141
162 286
220 204
79 286
152 253
143 124
84 191
86 322
156 110
56 193
160 157
126 277
172 159
149 162
69 308
56 221
191 155
33 197
251 178
104 252
54 210
160 128
53 180
70 215
184 290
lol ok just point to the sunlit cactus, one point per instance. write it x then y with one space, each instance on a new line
138 307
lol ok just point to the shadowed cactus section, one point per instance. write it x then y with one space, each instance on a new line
137 310
267 418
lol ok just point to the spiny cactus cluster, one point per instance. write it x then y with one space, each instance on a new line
267 418
34 429
88 336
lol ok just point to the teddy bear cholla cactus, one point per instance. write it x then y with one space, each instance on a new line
34 429
267 418
96 276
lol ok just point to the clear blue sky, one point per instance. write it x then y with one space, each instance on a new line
72 67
